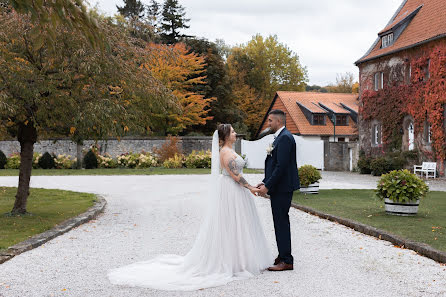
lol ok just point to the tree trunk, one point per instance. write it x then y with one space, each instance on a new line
27 136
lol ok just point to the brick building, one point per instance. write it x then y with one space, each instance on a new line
400 61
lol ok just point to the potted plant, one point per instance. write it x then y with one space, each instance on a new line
309 179
401 192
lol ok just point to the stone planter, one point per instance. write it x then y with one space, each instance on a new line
311 189
401 208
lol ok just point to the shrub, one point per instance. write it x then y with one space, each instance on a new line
46 161
410 155
90 160
129 160
401 186
380 166
199 159
13 161
175 162
3 160
364 165
106 161
308 174
64 162
385 164
36 158
146 160
169 149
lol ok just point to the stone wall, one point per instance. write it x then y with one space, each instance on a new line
337 155
114 147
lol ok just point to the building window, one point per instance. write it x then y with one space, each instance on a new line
379 81
386 40
427 74
376 134
318 119
341 120
341 139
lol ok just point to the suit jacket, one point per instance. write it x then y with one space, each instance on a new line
281 173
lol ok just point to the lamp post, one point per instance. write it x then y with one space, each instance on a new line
333 118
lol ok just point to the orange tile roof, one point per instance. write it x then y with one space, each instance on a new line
336 108
400 17
429 23
313 107
300 124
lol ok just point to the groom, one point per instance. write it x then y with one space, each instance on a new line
281 179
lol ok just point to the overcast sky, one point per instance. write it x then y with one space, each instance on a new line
328 35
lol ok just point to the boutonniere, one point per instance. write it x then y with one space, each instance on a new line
270 149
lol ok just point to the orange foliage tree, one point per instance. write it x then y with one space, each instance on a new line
179 70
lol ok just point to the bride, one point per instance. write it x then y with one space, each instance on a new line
230 245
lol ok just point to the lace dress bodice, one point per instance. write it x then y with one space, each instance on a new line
239 162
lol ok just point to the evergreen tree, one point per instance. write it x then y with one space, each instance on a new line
154 13
132 9
173 19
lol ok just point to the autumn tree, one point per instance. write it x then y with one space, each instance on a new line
172 21
344 83
180 71
47 15
258 70
70 88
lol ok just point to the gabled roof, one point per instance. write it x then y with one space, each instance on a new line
297 122
428 23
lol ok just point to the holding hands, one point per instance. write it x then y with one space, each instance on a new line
259 190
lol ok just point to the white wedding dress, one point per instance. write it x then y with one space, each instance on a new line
230 245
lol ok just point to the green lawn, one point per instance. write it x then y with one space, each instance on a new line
116 171
47 208
428 226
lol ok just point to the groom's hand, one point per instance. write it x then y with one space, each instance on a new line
262 190
258 185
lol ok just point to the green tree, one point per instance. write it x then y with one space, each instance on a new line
264 66
132 9
154 13
172 21
72 89
217 85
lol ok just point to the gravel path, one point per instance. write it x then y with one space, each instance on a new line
150 215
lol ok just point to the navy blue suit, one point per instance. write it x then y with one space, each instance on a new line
281 179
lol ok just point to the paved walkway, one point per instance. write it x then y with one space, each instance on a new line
150 215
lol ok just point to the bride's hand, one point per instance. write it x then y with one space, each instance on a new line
254 191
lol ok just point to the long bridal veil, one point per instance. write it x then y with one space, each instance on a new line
230 244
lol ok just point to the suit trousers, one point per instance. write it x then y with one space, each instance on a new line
280 206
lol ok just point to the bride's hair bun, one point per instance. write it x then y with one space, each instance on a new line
224 130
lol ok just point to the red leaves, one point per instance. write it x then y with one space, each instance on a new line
423 99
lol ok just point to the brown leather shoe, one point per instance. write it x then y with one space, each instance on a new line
281 267
277 260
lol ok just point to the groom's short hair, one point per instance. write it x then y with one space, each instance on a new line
279 113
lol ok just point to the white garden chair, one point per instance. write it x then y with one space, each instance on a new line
427 169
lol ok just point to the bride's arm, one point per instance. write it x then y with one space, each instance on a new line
228 162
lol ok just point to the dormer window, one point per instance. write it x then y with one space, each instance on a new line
341 120
386 40
318 119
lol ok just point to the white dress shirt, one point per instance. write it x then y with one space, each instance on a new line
278 132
